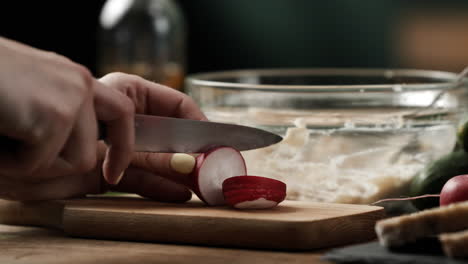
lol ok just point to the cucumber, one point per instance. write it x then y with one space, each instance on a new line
462 136
435 175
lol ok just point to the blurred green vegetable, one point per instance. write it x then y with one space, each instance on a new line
435 175
462 136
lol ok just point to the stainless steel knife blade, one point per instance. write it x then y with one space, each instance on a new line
171 135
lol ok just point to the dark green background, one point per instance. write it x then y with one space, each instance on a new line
297 33
233 34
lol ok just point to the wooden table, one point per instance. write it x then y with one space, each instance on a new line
37 245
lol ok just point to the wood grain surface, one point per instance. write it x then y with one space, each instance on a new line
291 226
31 245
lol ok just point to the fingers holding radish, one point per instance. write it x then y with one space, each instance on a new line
153 186
217 177
175 167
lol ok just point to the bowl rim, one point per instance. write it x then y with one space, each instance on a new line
209 79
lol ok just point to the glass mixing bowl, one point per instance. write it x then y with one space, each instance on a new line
350 135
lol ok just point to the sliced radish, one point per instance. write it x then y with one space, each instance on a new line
213 167
260 203
253 192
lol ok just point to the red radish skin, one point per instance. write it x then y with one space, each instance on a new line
245 181
212 168
455 190
253 192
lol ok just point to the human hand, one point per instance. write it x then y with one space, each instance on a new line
48 111
153 175
160 176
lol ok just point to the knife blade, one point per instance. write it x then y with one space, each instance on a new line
176 135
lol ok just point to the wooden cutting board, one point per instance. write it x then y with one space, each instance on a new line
292 225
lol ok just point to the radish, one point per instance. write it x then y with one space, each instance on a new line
253 192
219 178
454 190
212 168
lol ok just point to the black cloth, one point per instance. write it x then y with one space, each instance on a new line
423 252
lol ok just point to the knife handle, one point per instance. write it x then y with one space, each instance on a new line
10 145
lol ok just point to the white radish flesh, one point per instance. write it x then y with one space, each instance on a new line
260 203
213 167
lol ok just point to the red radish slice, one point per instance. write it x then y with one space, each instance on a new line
245 181
253 192
213 167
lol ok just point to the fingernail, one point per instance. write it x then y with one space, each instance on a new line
182 163
119 178
107 172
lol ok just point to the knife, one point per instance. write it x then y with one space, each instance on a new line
176 135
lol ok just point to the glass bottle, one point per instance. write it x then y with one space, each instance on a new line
143 37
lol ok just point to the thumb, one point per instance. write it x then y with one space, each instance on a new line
174 167
149 185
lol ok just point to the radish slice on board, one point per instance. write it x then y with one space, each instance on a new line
213 167
253 192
